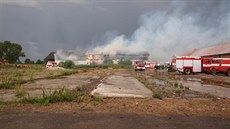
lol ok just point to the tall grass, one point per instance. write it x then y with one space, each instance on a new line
20 92
10 76
96 100
76 95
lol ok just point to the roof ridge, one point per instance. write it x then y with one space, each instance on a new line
217 44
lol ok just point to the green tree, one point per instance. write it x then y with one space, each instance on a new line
67 64
28 61
125 62
11 51
39 61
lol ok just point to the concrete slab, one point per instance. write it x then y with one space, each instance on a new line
121 86
207 88
37 87
69 82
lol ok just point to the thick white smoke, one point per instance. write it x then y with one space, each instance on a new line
64 55
167 33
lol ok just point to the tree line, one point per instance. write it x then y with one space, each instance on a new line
11 52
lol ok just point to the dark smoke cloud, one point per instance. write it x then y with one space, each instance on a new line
42 26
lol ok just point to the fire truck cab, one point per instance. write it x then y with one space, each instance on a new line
139 65
216 65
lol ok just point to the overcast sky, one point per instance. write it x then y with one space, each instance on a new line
42 26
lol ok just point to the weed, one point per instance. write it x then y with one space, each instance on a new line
158 95
7 83
208 95
96 100
20 92
51 74
6 86
2 102
181 86
56 96
170 83
31 76
178 91
66 73
176 85
19 76
186 88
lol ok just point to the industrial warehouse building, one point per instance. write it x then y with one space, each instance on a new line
217 51
86 58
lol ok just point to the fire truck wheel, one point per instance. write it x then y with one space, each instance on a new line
228 73
213 71
187 71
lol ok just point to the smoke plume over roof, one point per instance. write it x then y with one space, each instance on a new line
172 31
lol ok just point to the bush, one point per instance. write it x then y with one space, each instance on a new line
67 64
108 62
93 64
125 62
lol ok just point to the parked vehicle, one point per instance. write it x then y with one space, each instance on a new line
149 66
189 64
139 65
216 65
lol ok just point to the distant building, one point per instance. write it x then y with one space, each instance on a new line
133 56
87 58
218 51
50 57
95 58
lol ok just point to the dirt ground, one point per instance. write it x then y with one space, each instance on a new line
172 105
120 113
38 120
175 99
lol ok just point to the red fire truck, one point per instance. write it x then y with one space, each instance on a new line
139 65
189 64
216 65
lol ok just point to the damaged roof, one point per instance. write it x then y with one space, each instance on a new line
50 57
218 49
